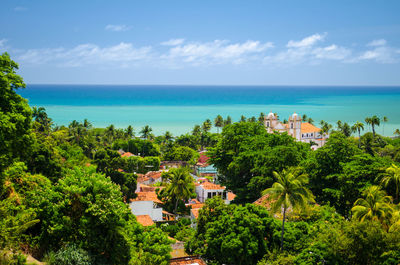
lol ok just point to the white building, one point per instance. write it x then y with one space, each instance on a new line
301 131
207 190
147 203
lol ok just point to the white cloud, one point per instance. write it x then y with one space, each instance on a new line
20 8
332 52
381 54
380 42
87 54
306 42
117 28
217 52
173 42
182 53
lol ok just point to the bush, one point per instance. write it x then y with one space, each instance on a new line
69 255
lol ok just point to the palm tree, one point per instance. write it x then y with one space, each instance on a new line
310 120
374 120
261 118
40 116
129 132
289 191
181 186
87 124
207 125
397 132
168 136
219 122
304 117
110 132
393 175
196 130
384 120
146 131
376 206
357 127
242 118
228 121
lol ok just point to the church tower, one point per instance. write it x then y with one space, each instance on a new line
295 126
270 122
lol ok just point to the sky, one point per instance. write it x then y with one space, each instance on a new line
193 42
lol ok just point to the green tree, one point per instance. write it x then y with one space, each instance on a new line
233 234
261 118
392 176
289 191
373 121
181 186
40 116
168 137
206 125
196 130
357 127
397 132
219 122
375 207
228 121
146 131
129 132
15 116
384 120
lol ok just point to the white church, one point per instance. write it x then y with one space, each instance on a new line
302 131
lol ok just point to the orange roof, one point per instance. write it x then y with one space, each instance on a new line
127 154
203 159
231 196
146 196
154 174
144 220
142 179
264 201
197 205
187 261
211 186
308 128
195 212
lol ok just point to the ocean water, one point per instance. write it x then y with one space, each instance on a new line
178 108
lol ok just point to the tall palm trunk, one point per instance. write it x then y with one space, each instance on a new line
283 226
176 206
373 129
359 138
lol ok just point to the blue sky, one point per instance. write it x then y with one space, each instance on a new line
204 42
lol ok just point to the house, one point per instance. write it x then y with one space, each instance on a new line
153 177
301 131
207 190
190 260
127 154
147 203
203 168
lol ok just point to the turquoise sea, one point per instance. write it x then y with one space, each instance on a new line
178 108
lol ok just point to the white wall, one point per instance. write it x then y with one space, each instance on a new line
146 207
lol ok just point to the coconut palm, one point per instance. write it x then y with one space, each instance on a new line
218 122
376 206
261 118
289 191
384 120
146 132
357 127
373 121
304 117
196 130
392 176
181 186
87 124
206 125
310 120
110 133
228 121
129 132
168 137
242 118
397 132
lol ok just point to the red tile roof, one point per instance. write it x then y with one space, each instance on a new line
195 212
309 128
154 174
187 261
144 220
231 196
146 196
264 201
211 186
203 159
127 154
